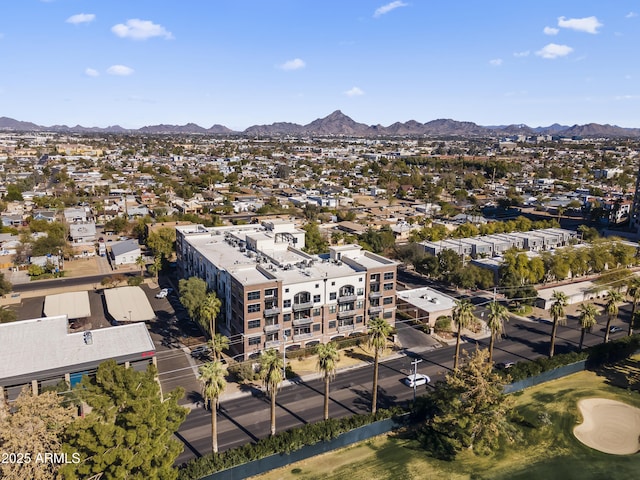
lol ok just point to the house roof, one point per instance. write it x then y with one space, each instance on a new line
72 304
128 304
124 247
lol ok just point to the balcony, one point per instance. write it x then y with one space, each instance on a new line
272 344
302 336
346 313
302 321
346 328
347 298
272 328
268 312
302 306
373 310
375 294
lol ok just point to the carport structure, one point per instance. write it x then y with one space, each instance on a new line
74 305
128 304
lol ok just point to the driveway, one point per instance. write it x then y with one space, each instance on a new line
415 340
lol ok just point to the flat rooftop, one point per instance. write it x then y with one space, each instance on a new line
427 299
72 304
128 304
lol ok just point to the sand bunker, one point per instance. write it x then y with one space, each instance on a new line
609 426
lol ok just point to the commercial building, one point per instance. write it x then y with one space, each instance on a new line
274 295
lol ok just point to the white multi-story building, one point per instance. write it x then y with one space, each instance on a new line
274 295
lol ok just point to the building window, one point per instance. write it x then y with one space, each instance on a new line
360 279
333 284
286 290
359 319
253 308
316 312
253 295
287 333
388 286
387 300
253 324
316 327
286 304
332 296
375 277
332 309
270 292
332 324
316 299
387 315
388 276
254 340
317 285
360 291
286 317
359 304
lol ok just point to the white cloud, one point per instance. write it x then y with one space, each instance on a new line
586 24
521 54
91 72
295 64
81 18
627 97
554 50
388 7
120 70
631 15
550 31
137 29
496 62
354 92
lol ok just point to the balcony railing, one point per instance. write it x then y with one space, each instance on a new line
375 294
375 309
272 328
347 298
346 313
346 328
302 336
271 311
272 344
302 321
302 306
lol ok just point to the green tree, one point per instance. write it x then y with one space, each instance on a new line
271 365
379 330
213 385
33 424
193 294
471 411
7 315
557 315
328 358
314 242
128 433
633 290
140 262
498 314
218 344
463 317
209 310
588 318
611 308
162 241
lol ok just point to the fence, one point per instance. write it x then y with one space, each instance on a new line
546 376
276 461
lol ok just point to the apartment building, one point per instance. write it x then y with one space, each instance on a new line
274 295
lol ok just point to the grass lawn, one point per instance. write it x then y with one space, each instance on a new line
548 449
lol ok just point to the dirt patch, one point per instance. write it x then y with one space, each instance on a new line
609 426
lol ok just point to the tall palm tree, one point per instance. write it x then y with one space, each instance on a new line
140 262
633 290
498 314
271 365
379 330
209 311
587 319
328 358
218 344
558 316
213 385
463 317
613 297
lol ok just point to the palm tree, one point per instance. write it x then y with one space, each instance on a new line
558 316
213 384
611 307
463 317
379 330
328 358
587 319
498 313
209 311
633 290
271 366
141 263
218 344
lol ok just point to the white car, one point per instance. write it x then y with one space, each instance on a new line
163 293
416 379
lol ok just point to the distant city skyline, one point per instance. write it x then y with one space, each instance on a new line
242 63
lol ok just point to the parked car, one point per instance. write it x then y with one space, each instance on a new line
164 292
614 329
416 379
201 351
505 365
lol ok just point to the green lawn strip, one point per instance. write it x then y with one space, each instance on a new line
548 413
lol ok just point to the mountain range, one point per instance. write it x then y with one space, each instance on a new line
337 123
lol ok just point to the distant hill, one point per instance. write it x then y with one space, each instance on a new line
337 123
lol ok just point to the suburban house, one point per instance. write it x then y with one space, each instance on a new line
125 252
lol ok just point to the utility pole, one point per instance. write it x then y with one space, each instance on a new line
415 363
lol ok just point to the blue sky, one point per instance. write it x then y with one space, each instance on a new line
245 62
